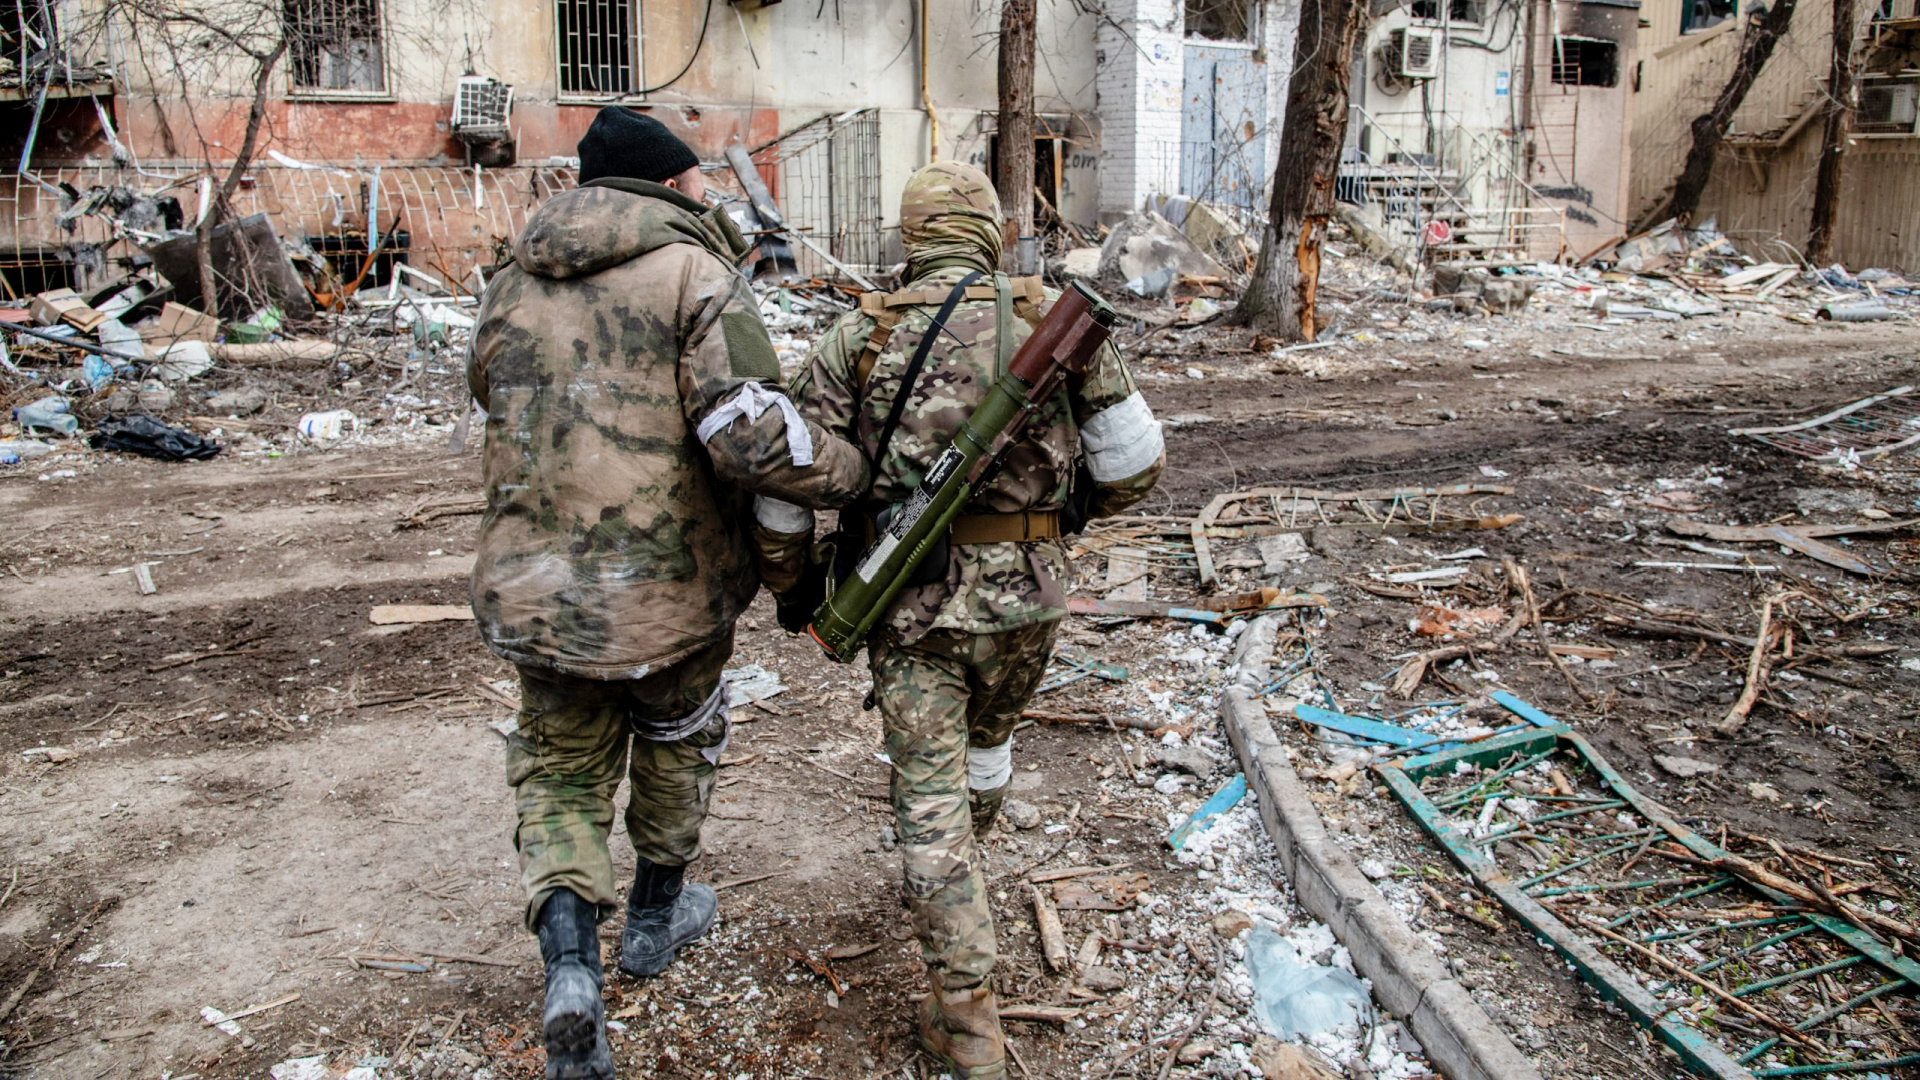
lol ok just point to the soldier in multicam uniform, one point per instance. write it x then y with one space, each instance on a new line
633 409
959 656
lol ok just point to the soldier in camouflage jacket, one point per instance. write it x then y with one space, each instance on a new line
633 415
958 658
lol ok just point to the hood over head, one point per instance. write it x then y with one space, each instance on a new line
950 216
611 221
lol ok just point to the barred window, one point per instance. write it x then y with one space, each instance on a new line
596 46
334 45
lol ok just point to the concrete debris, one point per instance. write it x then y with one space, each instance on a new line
1021 814
1211 228
1685 767
1147 244
1083 262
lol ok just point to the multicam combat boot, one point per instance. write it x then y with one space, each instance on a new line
984 806
662 915
961 1028
575 1018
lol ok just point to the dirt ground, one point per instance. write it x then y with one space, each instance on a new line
256 793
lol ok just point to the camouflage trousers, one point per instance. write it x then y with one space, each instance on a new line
939 697
576 737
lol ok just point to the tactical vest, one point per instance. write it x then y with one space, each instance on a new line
1024 295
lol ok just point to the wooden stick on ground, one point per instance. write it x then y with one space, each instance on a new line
1413 671
1708 985
54 954
1759 664
1179 1044
1518 576
1833 905
1053 936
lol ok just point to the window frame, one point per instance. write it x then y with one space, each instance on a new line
346 95
1556 62
1477 19
1256 26
1687 28
636 77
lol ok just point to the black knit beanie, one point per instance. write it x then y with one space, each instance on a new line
635 146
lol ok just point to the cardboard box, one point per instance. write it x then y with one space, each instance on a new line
65 305
178 322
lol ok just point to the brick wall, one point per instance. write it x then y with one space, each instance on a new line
1137 90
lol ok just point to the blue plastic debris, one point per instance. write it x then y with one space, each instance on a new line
1222 801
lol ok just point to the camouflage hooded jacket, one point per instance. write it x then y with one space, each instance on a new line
950 223
632 403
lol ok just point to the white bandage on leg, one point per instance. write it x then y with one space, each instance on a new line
989 767
782 517
1122 441
752 400
677 729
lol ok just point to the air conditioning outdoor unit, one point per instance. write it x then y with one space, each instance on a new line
1418 53
1888 106
480 109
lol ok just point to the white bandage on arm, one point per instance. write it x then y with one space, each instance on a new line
1122 441
782 517
752 400
989 767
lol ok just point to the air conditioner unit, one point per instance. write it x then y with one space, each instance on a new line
1888 106
1416 52
480 109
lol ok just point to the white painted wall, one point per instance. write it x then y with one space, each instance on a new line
1141 65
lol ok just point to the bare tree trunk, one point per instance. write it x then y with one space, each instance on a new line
222 196
1280 297
1683 198
1015 179
1838 108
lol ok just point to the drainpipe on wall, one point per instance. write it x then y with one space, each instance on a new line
926 96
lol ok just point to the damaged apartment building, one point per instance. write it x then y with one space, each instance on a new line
426 130
1494 128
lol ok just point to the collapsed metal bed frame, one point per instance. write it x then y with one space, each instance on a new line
1869 428
1690 925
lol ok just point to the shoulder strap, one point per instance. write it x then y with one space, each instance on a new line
885 317
1002 325
911 376
1028 294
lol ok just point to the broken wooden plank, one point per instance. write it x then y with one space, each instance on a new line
1215 610
393 614
1800 538
1053 936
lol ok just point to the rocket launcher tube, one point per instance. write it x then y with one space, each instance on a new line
1060 348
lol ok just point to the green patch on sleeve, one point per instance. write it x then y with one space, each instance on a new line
750 354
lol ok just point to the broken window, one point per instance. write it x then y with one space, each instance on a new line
1697 15
1581 61
1221 20
334 46
1888 106
596 46
1459 11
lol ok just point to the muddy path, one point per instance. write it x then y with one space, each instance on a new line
280 798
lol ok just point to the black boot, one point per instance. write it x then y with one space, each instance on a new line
575 1018
663 915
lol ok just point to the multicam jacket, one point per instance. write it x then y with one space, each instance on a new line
950 226
632 403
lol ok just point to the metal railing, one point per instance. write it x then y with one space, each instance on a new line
1409 190
825 177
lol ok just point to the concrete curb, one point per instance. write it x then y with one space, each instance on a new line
1408 979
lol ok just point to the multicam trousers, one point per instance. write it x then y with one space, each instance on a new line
564 764
941 696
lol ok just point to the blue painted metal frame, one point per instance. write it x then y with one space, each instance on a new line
1699 1052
